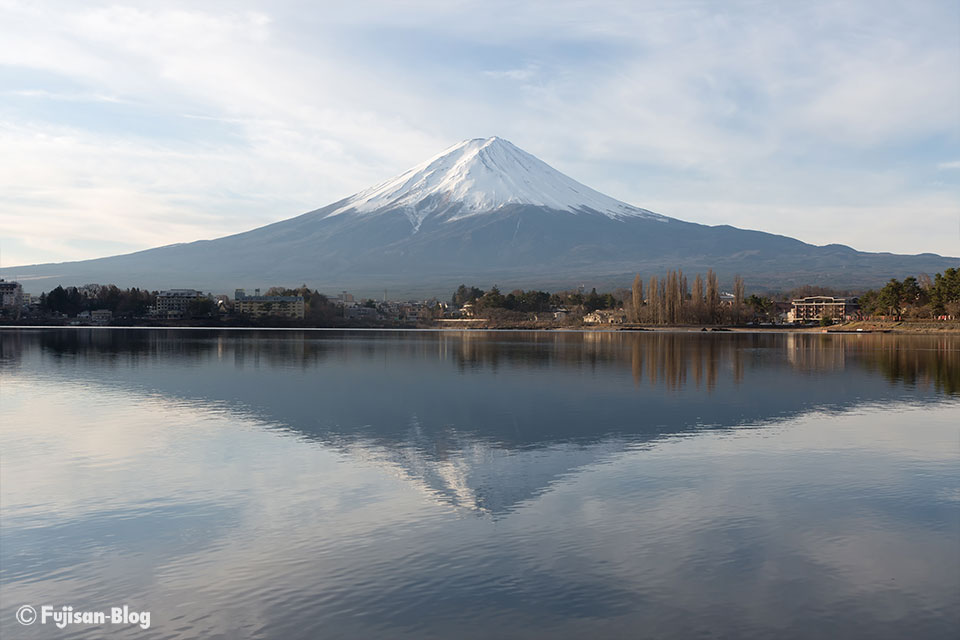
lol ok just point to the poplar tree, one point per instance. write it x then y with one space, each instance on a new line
697 301
739 291
653 302
713 297
682 311
669 297
637 297
661 295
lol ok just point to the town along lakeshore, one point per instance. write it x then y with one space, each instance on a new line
914 305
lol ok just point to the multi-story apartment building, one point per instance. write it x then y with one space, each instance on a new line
175 302
813 308
257 305
11 294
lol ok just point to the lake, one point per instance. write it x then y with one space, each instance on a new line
365 484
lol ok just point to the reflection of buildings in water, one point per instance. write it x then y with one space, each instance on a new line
257 351
816 352
11 348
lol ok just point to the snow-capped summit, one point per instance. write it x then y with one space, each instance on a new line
480 176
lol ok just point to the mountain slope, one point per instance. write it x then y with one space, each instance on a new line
482 212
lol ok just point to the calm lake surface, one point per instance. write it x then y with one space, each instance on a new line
348 484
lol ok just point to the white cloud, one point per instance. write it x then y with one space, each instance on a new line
150 124
526 73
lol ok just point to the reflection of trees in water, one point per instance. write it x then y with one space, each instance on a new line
923 361
912 360
670 359
130 347
673 360
661 357
666 359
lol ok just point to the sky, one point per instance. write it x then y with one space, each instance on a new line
128 125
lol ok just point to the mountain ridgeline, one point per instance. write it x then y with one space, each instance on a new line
482 211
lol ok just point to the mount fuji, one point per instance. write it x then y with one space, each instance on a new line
482 212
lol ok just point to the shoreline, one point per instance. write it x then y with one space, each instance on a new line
852 328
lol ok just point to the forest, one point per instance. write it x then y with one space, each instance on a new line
919 298
667 300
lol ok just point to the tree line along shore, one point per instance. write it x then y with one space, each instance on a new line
916 303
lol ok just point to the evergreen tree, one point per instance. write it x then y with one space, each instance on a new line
891 298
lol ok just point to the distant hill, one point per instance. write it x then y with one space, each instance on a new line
483 212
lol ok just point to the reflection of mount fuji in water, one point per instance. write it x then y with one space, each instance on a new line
487 421
479 475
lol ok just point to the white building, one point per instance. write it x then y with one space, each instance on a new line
175 302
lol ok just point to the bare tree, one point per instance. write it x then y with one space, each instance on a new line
669 297
713 297
637 302
738 296
697 301
661 296
682 311
653 300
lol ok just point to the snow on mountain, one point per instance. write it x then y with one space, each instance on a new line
479 176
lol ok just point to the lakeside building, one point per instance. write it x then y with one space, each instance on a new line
814 308
258 305
401 311
101 316
11 294
361 313
605 316
175 302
